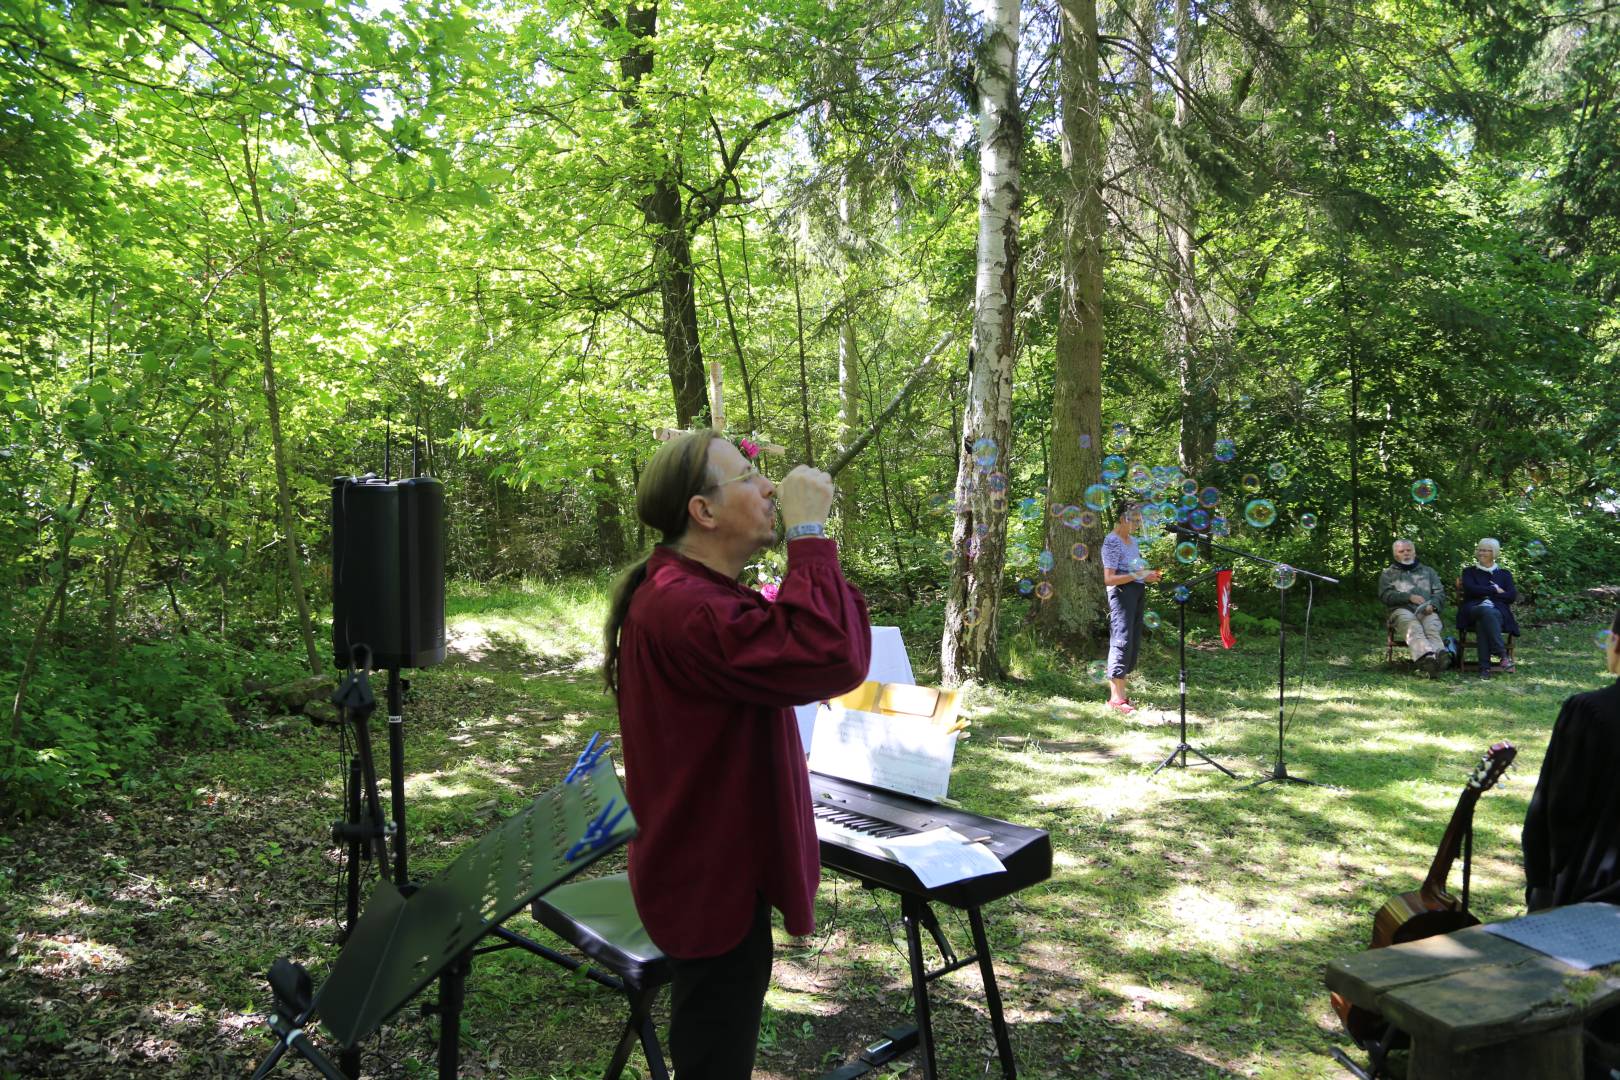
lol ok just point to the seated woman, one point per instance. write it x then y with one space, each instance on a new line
1487 605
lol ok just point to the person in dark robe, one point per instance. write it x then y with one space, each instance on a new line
1571 834
705 670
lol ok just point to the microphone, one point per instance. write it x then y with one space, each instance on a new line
1186 530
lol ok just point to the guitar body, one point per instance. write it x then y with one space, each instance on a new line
1429 911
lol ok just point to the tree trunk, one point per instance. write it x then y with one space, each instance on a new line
672 238
278 450
1196 385
979 537
1078 606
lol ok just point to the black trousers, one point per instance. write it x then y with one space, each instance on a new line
715 1006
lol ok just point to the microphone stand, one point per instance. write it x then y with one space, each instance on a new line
1279 771
1182 747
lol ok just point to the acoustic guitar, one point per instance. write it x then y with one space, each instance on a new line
1429 910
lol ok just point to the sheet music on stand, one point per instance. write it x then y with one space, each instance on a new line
1584 936
890 736
890 664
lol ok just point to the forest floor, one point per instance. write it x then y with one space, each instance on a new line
1182 933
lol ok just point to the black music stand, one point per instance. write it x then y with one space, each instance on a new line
400 944
1182 747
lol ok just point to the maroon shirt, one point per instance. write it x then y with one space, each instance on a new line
714 769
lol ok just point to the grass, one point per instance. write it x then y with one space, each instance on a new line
1182 933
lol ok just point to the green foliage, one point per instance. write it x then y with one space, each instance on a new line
97 722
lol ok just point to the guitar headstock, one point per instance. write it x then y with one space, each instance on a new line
1492 766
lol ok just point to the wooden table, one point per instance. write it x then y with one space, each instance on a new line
1477 1005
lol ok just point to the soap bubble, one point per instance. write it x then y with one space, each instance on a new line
981 530
1260 513
1119 438
1139 479
1085 442
1189 500
1536 549
1182 594
1096 497
1245 400
1079 552
1219 527
1119 430
1045 562
1017 553
970 618
1251 482
1043 591
1113 467
1277 470
996 481
1603 638
1072 516
1137 567
1307 521
985 454
1424 491
1026 586
1187 552
940 503
1150 619
1189 486
1087 519
998 503
1284 576
1225 450
1097 672
1198 519
1029 508
1209 497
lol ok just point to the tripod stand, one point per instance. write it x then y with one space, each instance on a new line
1183 748
1284 577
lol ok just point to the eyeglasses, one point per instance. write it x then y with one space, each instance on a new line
747 474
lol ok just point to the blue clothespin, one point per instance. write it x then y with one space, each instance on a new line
588 757
599 833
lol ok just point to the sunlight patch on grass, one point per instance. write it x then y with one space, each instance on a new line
62 956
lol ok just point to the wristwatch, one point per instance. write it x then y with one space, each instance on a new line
803 529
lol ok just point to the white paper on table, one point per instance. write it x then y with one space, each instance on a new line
941 856
901 753
890 664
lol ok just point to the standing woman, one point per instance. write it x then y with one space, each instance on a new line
1487 605
1127 578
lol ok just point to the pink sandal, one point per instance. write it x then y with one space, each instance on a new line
1123 707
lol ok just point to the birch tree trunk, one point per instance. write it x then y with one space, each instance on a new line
1077 605
979 536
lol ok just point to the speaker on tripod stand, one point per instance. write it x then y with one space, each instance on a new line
388 571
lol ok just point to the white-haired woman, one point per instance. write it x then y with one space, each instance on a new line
1487 605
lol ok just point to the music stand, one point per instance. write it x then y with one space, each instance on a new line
400 943
1183 747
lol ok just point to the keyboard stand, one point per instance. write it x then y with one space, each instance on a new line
918 915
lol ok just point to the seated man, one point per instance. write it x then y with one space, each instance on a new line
1486 605
1414 595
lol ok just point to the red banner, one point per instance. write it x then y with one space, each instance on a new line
1223 602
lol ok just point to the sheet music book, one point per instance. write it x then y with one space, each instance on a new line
892 736
890 664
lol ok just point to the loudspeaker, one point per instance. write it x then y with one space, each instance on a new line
388 571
